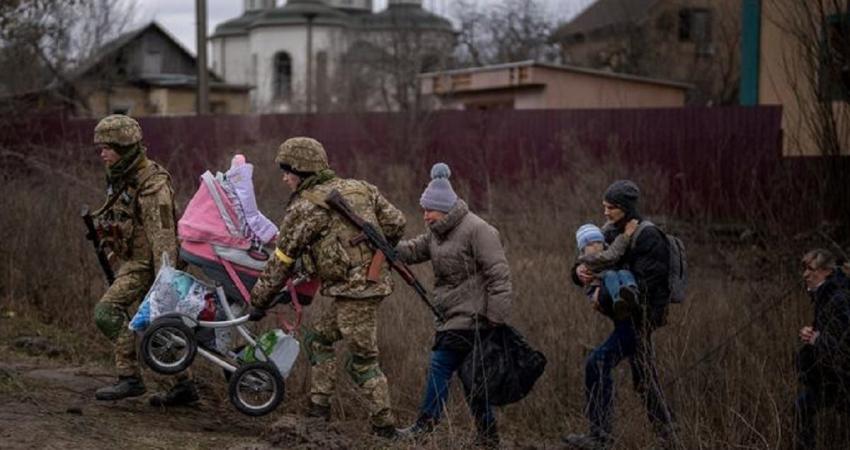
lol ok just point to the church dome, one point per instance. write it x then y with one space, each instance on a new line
297 12
406 15
237 26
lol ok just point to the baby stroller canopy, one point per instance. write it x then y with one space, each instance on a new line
223 232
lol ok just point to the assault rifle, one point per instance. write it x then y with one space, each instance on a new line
382 248
94 237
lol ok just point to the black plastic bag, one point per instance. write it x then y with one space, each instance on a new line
502 367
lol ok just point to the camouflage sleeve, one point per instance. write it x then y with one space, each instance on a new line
156 209
390 218
301 226
608 257
416 250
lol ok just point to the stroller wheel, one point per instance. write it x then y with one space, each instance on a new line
168 346
256 389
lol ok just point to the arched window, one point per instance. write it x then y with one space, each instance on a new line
282 75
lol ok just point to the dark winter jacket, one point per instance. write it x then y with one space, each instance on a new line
831 302
648 258
649 261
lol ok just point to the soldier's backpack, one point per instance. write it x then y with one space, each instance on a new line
678 276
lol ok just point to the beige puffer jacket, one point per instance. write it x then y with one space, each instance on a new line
472 276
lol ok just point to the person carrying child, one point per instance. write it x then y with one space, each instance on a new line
612 292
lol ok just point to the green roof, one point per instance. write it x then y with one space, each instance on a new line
406 16
297 12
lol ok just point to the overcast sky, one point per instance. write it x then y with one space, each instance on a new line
178 16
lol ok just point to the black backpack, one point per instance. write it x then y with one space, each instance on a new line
678 276
503 365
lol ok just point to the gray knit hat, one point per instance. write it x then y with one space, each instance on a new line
439 195
624 194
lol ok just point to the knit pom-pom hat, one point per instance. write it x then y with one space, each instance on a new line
439 195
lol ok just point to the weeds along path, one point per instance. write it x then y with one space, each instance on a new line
47 401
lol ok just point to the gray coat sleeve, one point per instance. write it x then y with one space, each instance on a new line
416 250
491 260
607 258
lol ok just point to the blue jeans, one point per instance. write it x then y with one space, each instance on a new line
613 280
624 342
444 362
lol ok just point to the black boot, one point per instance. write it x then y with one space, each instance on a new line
318 411
183 393
387 432
132 386
587 442
423 425
487 436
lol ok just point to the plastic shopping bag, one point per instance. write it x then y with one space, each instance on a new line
172 291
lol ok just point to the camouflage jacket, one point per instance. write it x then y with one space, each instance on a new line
321 238
139 225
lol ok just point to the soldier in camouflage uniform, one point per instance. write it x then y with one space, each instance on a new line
321 239
138 226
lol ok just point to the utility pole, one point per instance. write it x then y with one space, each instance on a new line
202 98
309 84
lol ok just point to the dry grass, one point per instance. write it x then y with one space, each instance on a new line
728 392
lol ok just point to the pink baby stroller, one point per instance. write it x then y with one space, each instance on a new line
223 233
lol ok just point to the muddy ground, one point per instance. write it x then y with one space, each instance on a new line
47 402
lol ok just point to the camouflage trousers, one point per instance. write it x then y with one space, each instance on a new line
112 315
356 322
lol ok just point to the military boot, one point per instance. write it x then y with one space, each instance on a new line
318 411
183 393
387 432
131 386
487 436
587 442
423 426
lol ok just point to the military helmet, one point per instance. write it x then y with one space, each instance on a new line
117 129
302 154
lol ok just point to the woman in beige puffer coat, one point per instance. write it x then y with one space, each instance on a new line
472 289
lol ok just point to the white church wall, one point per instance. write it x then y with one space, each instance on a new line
266 42
231 58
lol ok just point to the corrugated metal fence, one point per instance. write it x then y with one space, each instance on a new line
717 159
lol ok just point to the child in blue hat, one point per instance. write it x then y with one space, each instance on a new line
620 295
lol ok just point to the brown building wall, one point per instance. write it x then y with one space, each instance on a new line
652 48
578 90
785 79
541 87
164 101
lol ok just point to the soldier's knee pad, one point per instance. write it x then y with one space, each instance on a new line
317 347
362 369
109 319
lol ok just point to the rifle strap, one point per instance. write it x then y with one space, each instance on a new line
114 198
110 201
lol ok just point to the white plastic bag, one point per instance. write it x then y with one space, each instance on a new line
172 291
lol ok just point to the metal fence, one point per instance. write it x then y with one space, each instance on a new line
716 159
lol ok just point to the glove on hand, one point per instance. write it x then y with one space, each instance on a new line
255 314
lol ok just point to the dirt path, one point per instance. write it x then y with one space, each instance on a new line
47 402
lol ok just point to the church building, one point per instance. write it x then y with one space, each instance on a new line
331 55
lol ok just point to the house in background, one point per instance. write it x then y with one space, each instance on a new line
331 55
690 41
797 54
143 72
533 85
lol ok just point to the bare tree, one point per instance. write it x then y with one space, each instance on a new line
817 70
676 40
815 63
45 40
514 30
382 70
